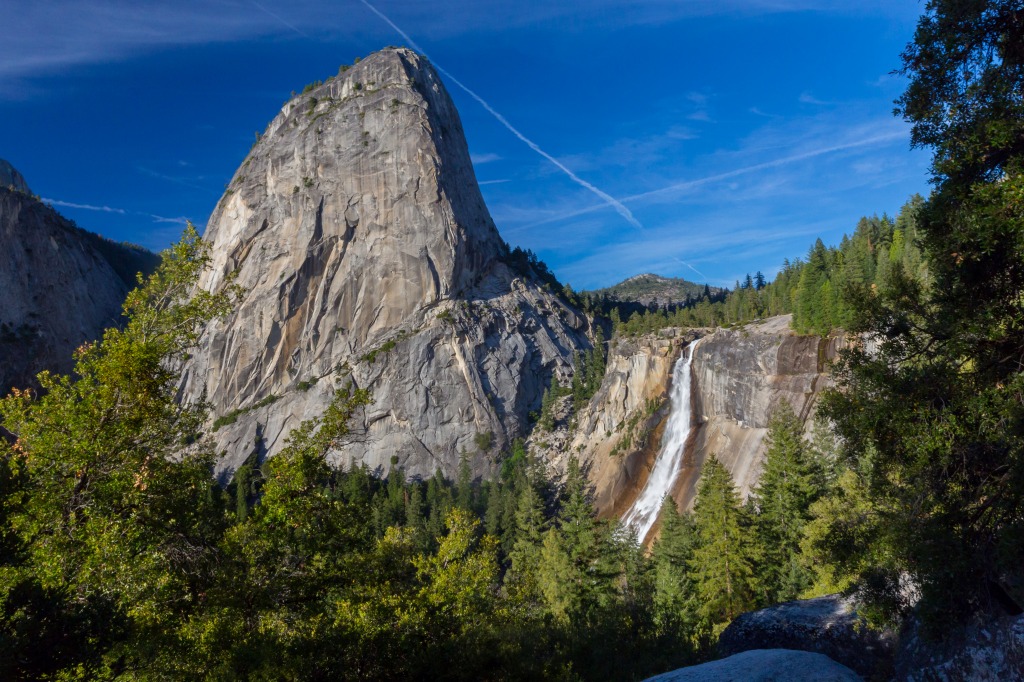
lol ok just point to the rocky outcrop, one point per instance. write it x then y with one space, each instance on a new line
740 376
61 286
987 650
826 625
764 665
366 255
12 179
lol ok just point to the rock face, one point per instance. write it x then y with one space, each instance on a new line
826 625
989 651
619 430
60 284
740 377
764 665
12 179
361 241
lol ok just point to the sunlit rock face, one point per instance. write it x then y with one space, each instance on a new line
618 432
739 377
59 287
359 237
764 665
12 179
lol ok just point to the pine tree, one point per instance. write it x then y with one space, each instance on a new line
674 589
722 563
790 483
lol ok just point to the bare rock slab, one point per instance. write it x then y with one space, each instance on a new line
825 625
764 665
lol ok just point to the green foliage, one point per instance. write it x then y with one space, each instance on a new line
232 416
821 291
723 560
932 418
483 440
110 515
792 480
382 349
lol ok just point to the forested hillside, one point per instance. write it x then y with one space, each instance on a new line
121 560
821 290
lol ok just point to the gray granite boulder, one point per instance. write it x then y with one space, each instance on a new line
991 650
764 665
826 625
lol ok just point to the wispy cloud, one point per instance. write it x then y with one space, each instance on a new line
488 157
691 184
177 180
84 207
808 98
494 182
49 36
110 209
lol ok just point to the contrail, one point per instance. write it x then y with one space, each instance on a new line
689 184
608 199
292 27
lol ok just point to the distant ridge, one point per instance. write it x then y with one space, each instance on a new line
648 289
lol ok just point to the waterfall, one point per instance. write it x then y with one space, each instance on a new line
644 511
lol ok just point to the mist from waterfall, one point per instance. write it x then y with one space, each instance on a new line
644 512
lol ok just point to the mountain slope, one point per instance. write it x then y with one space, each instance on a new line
62 286
366 254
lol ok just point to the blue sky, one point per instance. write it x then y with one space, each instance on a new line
734 132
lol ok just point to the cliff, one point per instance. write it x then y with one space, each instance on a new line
366 254
739 376
618 431
62 286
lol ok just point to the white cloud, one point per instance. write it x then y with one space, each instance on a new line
487 157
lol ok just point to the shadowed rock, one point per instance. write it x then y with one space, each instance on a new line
826 625
61 286
764 665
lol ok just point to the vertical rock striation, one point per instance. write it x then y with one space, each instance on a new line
741 376
360 238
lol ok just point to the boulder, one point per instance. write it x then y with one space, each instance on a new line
989 650
826 625
764 665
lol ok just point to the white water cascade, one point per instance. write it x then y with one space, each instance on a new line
644 511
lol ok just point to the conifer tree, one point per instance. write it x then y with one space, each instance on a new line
674 588
790 483
722 563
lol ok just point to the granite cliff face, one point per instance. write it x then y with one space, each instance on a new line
618 432
62 286
12 179
366 254
739 377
